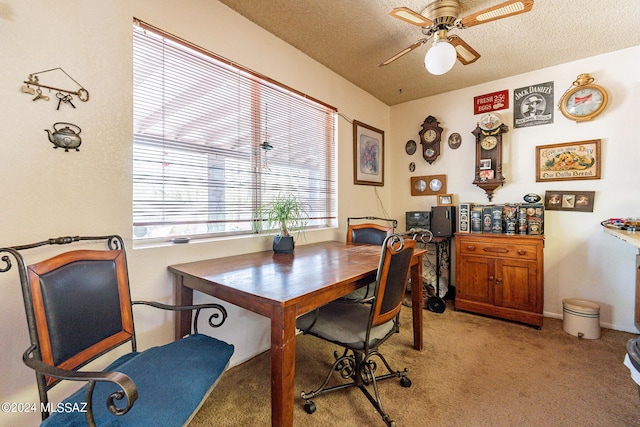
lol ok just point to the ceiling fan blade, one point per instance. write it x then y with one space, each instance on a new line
503 10
407 15
403 52
466 54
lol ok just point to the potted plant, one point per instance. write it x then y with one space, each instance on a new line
282 215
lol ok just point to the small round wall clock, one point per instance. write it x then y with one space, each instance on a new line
584 100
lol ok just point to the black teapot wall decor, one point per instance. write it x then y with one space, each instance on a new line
65 137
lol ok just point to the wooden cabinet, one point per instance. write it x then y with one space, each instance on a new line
500 275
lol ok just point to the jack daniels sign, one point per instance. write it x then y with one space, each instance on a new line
533 105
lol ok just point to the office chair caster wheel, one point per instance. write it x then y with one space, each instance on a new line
310 407
405 382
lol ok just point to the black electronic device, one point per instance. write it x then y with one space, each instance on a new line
418 219
443 221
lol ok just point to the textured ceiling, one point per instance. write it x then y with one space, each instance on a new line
351 37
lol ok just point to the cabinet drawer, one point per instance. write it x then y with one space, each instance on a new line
499 250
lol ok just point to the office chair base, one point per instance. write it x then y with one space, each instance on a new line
361 373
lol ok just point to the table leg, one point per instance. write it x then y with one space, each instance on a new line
182 295
283 361
416 303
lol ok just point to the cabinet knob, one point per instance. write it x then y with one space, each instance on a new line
471 247
499 280
522 251
491 278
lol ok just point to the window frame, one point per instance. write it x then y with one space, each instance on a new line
262 83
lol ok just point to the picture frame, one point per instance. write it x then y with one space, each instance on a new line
533 105
486 174
368 155
485 164
568 161
579 201
445 200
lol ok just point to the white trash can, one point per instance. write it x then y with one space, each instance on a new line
581 318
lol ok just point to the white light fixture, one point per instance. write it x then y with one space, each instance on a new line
442 56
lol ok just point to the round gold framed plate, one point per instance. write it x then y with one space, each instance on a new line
584 101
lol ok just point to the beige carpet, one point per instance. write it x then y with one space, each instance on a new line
474 371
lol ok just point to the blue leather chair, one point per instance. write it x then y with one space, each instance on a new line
79 308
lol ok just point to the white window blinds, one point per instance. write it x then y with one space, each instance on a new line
201 125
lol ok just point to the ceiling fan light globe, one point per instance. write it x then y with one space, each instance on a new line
440 58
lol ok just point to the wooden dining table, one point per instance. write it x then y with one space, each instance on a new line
282 287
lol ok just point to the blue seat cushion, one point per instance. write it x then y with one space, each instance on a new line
172 380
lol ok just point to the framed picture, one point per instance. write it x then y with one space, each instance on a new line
568 161
580 201
533 105
487 174
368 155
485 164
445 199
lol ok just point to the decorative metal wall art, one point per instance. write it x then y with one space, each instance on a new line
65 137
63 95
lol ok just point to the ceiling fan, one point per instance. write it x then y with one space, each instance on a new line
441 16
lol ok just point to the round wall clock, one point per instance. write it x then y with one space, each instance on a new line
584 100
488 174
489 142
410 147
454 140
430 135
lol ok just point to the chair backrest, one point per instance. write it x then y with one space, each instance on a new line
392 277
78 303
369 233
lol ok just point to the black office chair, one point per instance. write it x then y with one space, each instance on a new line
78 308
370 233
361 328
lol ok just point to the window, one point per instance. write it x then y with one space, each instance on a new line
212 141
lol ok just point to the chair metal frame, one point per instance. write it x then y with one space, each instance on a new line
40 357
358 363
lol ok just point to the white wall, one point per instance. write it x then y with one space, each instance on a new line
581 261
49 193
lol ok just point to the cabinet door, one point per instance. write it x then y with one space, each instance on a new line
475 279
516 284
